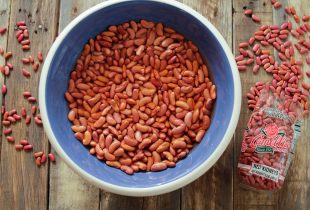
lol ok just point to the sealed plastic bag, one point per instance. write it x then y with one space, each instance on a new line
269 142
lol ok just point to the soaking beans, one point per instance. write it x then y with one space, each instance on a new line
140 96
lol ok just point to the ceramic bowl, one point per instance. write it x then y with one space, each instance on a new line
61 59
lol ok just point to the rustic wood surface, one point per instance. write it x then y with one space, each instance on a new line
55 186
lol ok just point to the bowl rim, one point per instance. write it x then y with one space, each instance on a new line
155 190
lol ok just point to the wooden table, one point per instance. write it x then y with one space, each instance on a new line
54 186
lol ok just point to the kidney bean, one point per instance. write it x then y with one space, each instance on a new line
4 89
248 12
10 139
25 47
40 56
38 154
38 121
158 166
38 161
51 157
27 120
2 30
25 72
32 99
6 122
19 147
255 18
7 131
28 147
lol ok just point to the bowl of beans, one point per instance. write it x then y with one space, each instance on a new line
140 97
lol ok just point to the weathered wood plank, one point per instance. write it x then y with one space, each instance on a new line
22 184
259 207
4 22
297 172
295 192
67 189
260 6
243 29
214 190
294 195
169 201
110 201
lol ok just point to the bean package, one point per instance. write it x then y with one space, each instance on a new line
269 142
140 96
272 132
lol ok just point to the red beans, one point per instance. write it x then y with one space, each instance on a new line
255 18
28 147
4 89
7 131
25 72
40 56
10 139
32 99
277 5
154 96
267 142
22 35
19 147
248 12
2 30
51 157
285 83
10 118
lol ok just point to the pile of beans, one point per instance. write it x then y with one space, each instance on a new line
11 117
140 96
22 35
287 75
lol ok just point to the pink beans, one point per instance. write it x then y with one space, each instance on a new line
40 57
4 89
255 18
277 4
7 131
2 30
51 157
248 12
136 108
263 158
25 72
286 83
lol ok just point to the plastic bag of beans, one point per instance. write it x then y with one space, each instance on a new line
269 142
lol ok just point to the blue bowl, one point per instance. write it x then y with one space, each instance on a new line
61 59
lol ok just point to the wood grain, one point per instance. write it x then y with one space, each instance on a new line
23 184
260 6
243 29
214 190
67 189
4 20
57 187
295 192
296 172
282 199
169 201
110 201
